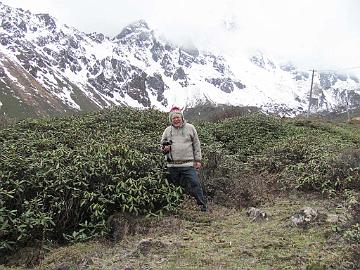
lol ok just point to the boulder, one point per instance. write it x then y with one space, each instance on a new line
256 214
304 217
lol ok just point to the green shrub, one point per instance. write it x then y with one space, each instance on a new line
313 156
61 178
248 135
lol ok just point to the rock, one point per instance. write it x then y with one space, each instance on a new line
256 214
306 216
340 218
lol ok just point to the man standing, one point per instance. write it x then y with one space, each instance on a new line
181 144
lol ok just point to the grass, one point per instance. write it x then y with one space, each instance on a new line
233 241
223 238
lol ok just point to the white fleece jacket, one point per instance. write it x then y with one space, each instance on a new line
185 144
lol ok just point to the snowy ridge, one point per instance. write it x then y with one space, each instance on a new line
47 68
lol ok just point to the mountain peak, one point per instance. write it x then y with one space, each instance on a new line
137 26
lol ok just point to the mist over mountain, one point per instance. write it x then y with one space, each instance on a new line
47 68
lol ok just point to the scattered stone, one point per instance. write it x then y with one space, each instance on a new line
256 214
306 216
340 218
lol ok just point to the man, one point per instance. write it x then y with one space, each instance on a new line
181 144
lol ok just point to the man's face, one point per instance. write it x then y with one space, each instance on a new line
176 120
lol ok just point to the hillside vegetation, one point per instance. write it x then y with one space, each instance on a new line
66 180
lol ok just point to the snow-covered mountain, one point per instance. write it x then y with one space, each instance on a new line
47 68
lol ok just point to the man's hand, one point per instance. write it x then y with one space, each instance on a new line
197 165
166 148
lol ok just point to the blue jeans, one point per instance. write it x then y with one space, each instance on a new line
187 176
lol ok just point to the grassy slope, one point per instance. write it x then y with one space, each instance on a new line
224 238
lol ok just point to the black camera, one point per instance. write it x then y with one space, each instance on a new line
166 142
167 152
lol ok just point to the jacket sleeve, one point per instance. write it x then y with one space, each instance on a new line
196 146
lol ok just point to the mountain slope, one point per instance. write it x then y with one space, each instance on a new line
48 68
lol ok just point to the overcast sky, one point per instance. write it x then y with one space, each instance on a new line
313 33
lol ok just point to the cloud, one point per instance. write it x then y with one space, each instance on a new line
320 34
313 34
